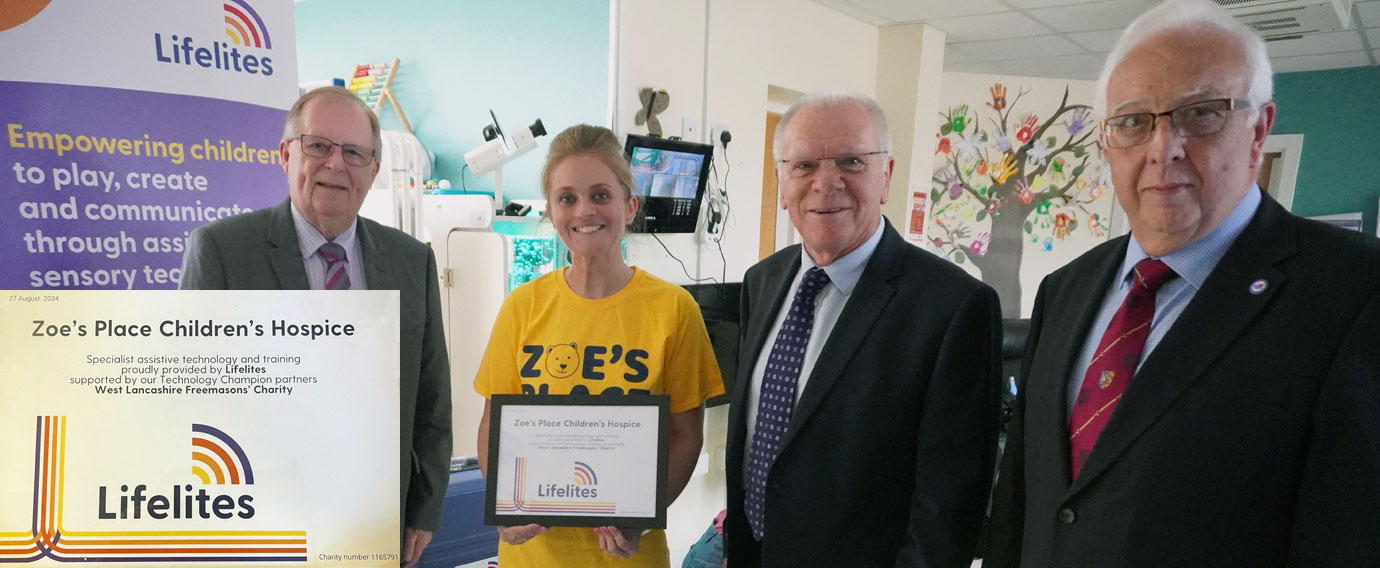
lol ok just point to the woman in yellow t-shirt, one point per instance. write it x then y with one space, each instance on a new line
598 327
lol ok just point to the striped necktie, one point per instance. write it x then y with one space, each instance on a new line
337 275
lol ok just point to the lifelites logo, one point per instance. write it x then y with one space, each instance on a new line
216 458
574 497
243 28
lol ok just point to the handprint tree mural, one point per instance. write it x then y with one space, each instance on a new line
1008 176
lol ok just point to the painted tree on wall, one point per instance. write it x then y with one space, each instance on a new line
1019 181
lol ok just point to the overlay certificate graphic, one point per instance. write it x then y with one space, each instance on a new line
211 427
577 460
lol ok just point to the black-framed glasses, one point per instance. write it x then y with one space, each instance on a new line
847 163
1189 121
318 147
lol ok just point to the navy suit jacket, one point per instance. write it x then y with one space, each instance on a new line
1250 436
260 251
889 454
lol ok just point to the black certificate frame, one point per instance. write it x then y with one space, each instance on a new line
498 402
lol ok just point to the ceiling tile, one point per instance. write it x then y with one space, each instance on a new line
991 26
1085 66
954 53
1100 40
1029 4
976 67
1092 16
1369 12
848 9
1314 44
1022 47
1320 62
911 11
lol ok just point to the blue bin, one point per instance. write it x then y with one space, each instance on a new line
463 537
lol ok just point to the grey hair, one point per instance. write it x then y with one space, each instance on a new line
833 100
340 94
1198 15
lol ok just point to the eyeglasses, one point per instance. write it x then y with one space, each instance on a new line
1189 121
848 163
318 147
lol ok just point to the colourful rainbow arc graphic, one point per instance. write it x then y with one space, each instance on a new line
584 475
221 455
47 537
519 502
244 26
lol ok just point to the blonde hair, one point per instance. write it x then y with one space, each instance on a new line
584 139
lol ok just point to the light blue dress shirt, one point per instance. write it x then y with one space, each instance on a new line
310 241
1193 263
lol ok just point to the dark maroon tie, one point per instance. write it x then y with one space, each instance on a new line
1116 359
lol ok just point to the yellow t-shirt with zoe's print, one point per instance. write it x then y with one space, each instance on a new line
647 338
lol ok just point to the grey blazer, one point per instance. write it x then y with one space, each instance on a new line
259 251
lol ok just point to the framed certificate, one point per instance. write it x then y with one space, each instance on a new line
577 460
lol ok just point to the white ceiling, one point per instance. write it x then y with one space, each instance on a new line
1069 39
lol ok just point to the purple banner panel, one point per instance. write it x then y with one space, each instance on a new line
100 187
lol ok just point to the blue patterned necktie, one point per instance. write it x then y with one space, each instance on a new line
337 278
777 397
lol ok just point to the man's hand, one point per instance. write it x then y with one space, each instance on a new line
619 542
414 542
520 534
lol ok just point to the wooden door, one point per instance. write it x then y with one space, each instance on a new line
766 233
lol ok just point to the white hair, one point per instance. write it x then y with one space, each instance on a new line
1200 15
833 100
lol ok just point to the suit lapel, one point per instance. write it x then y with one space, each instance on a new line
774 289
1062 336
376 273
765 303
284 252
1227 306
865 305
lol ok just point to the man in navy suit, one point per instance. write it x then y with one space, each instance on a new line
1242 428
862 430
330 154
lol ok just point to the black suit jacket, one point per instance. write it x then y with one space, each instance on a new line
888 457
260 251
1250 436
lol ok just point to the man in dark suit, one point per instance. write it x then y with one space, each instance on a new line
863 425
1206 390
316 240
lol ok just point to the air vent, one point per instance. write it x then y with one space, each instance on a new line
1273 18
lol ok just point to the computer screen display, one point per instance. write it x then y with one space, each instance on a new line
669 178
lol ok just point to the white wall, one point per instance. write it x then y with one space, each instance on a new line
796 44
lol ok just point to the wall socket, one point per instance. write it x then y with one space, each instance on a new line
714 133
690 129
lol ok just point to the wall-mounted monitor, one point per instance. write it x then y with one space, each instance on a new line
669 178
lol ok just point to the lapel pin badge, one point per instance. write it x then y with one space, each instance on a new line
1259 286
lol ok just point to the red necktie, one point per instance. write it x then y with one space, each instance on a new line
1116 359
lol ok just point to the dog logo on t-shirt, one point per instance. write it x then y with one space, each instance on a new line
562 360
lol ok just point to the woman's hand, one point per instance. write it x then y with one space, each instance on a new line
520 534
619 542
